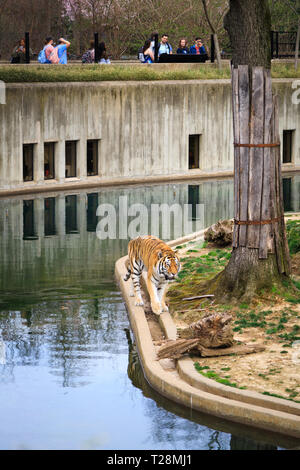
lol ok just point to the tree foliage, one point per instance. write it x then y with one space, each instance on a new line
122 24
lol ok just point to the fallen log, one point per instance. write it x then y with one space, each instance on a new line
211 336
212 331
238 350
177 348
199 297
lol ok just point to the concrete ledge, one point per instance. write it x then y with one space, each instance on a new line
171 385
98 182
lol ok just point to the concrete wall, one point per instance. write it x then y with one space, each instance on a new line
143 128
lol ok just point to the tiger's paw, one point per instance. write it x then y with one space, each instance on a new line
165 308
139 302
156 308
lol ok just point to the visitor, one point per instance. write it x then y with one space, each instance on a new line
62 47
148 52
48 49
198 47
165 47
19 53
89 56
152 39
182 47
103 57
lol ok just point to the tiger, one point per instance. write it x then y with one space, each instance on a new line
162 265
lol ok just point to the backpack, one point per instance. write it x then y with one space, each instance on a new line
54 59
140 54
42 56
87 58
147 60
15 60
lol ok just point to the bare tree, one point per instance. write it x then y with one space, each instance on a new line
214 32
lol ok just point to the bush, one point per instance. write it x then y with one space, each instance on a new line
293 235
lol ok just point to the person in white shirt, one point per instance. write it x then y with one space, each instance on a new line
165 47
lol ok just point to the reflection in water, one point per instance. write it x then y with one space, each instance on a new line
62 323
28 220
203 430
71 214
50 229
92 219
193 199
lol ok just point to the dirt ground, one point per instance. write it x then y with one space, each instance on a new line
273 371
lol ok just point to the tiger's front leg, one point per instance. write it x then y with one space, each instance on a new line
154 298
162 290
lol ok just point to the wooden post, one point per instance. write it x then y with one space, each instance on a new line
259 213
212 48
96 40
156 47
277 44
27 48
272 44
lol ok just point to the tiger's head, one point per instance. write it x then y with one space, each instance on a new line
168 265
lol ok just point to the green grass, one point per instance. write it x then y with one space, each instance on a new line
279 396
88 73
293 235
210 374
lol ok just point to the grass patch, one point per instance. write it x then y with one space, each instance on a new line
293 235
279 396
210 374
96 73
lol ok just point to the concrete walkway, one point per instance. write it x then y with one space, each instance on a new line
181 383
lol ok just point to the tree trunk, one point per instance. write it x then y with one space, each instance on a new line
260 254
297 45
248 23
213 30
217 48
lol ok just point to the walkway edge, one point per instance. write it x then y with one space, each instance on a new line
172 386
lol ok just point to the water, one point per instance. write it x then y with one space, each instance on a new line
69 372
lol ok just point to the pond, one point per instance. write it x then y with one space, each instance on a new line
69 372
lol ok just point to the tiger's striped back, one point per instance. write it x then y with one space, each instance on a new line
161 263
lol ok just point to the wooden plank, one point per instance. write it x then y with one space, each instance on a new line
284 255
277 231
266 241
236 138
256 156
244 110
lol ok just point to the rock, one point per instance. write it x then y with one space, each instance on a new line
220 233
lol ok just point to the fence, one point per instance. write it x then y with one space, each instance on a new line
283 44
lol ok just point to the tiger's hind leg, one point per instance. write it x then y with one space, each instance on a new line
128 276
136 272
